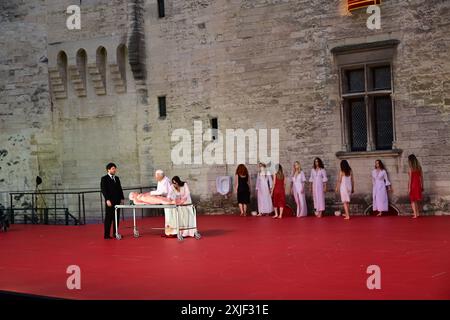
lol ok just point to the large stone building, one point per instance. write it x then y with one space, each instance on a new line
115 90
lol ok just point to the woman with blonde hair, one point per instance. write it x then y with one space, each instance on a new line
298 180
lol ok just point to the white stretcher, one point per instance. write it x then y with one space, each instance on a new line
157 206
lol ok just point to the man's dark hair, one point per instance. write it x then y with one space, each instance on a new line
110 165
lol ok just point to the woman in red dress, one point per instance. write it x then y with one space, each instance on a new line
415 183
278 193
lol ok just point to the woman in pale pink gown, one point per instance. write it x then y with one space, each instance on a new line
345 186
381 185
298 189
318 180
263 186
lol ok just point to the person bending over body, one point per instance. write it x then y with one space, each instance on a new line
158 196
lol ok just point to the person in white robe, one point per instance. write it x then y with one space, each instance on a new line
163 186
318 181
381 185
162 189
180 193
298 180
264 184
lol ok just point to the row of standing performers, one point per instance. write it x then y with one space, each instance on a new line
271 194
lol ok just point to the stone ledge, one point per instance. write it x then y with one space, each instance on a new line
394 153
365 46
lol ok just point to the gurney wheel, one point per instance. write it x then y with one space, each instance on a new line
197 236
118 237
136 234
180 237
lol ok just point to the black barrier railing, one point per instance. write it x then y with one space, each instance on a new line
38 211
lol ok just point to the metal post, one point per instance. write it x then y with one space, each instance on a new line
46 216
11 207
56 214
142 210
32 207
79 207
84 211
117 225
134 220
55 205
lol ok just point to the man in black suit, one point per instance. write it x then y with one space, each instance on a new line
113 194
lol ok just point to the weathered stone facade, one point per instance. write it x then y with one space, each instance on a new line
248 63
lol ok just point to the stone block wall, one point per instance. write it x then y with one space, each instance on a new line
262 64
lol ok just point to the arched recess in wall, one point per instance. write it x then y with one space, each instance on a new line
122 60
81 65
101 63
61 61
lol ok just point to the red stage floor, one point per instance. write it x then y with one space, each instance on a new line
237 258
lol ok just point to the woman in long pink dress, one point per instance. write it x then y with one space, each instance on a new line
298 189
279 193
319 180
381 185
263 187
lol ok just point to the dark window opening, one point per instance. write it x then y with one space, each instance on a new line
215 128
358 125
355 80
162 106
383 122
381 77
366 93
161 10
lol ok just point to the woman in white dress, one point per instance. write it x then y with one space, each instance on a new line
319 180
180 193
298 189
381 185
263 186
345 185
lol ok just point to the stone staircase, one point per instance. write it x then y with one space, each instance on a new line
97 79
77 81
117 79
56 81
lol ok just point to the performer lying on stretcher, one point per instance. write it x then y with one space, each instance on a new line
178 193
147 198
165 193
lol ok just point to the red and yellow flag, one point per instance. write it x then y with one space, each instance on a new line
357 4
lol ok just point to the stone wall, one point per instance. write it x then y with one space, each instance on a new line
252 64
267 64
26 117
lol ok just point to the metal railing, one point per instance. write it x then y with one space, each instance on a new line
35 209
